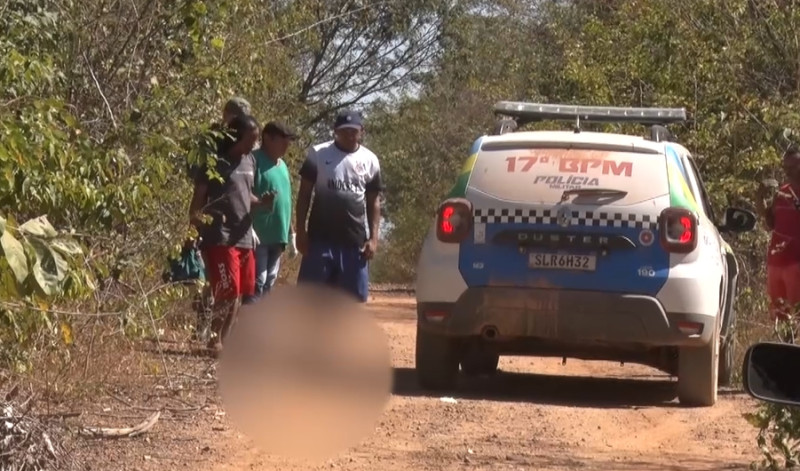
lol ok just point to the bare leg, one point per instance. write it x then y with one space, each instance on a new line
225 314
231 317
203 308
220 319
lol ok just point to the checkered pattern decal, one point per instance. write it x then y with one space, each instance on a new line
579 218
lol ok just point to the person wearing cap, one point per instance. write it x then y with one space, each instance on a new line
222 213
273 225
236 106
344 178
233 108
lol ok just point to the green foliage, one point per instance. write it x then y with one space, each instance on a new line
38 267
419 149
101 109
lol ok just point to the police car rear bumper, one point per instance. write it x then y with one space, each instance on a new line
499 313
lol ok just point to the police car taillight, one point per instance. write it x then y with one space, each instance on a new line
678 229
454 220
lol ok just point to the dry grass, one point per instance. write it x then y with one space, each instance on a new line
28 440
112 374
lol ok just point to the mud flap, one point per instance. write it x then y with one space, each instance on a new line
698 372
436 361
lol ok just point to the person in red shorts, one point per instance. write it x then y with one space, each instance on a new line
220 210
782 217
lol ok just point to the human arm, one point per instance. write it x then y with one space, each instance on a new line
198 173
291 236
292 239
292 243
259 198
308 176
764 206
373 188
301 213
265 202
199 198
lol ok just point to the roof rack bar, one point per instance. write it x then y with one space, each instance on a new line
524 112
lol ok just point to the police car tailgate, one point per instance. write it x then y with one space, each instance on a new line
568 219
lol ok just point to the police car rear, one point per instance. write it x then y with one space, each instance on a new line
558 244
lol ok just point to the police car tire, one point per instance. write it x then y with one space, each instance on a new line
477 363
727 355
698 370
436 361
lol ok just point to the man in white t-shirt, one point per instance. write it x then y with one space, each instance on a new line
342 233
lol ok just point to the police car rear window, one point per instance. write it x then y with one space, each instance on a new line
541 175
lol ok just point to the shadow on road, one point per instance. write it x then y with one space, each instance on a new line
549 458
578 391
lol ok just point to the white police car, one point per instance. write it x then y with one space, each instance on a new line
579 244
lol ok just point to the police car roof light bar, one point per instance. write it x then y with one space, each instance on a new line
524 112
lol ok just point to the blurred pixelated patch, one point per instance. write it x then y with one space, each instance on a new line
306 372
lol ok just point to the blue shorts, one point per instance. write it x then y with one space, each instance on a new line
342 267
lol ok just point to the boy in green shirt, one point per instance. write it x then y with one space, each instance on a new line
273 226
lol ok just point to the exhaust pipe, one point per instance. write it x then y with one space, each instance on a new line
489 332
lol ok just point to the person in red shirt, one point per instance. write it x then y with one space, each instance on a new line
782 217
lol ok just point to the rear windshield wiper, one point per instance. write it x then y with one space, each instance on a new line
591 192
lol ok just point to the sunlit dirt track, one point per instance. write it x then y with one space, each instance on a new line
538 414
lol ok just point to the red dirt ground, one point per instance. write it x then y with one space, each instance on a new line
538 414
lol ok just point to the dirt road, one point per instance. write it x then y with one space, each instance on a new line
538 414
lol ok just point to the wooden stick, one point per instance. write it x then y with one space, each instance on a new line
98 432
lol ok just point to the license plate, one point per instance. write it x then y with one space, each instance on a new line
562 261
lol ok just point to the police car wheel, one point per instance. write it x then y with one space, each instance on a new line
436 361
698 370
727 354
477 363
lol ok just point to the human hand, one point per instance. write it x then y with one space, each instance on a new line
370 248
765 186
268 198
196 221
302 242
293 245
190 243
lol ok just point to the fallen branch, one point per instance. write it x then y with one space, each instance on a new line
144 427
